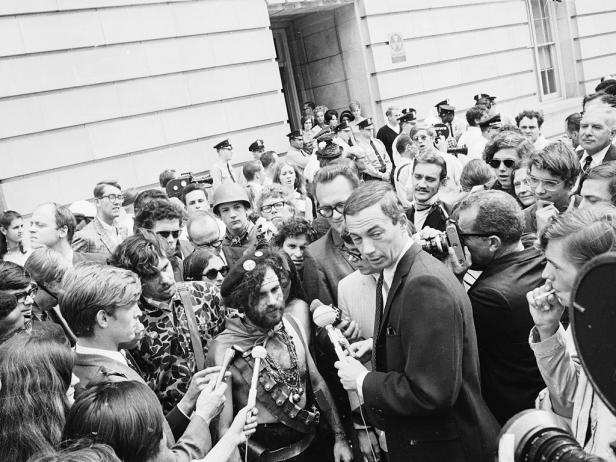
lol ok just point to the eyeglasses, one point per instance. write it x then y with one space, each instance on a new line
548 185
496 163
24 294
328 211
420 138
165 234
465 235
213 273
114 197
216 243
275 205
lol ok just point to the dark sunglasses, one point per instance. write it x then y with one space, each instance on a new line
496 163
165 234
213 273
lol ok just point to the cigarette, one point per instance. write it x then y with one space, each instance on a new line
545 295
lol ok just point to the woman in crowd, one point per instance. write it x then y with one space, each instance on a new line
35 372
331 118
570 241
523 191
127 416
291 179
476 173
355 109
319 119
503 153
12 238
203 265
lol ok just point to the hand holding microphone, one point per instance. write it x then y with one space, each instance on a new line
258 353
326 316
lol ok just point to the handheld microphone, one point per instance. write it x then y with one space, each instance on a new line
325 316
258 353
226 362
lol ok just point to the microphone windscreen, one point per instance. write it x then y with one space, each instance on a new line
324 315
315 304
259 352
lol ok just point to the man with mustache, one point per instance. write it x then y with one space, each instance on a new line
180 319
291 392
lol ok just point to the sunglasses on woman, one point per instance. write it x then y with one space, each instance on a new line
213 273
165 234
496 163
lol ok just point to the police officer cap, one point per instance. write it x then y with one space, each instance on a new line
324 132
490 121
408 115
444 106
256 146
224 144
348 114
483 96
365 123
341 126
294 134
607 86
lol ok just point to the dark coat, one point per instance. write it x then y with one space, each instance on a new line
510 379
610 155
436 219
387 136
425 391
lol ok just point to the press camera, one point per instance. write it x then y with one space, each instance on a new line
176 186
438 246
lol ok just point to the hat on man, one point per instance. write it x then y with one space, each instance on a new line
490 121
365 123
224 144
341 126
84 208
408 115
294 134
256 146
444 106
483 96
348 114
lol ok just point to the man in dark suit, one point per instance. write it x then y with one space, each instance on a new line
101 235
99 303
423 390
490 224
388 132
597 132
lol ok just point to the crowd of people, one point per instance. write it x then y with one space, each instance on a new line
382 295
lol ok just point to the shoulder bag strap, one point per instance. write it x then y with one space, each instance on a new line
195 339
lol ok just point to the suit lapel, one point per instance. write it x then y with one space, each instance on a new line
404 266
103 235
610 154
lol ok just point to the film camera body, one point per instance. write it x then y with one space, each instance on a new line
438 245
175 187
534 435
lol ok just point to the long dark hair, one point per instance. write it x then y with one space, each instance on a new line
195 263
6 219
35 371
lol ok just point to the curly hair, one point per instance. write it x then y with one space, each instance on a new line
530 114
292 228
140 253
156 210
508 139
274 191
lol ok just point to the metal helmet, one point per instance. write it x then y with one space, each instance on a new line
230 192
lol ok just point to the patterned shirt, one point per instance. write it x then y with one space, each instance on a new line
165 355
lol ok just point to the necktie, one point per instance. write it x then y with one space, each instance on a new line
378 156
586 166
231 173
378 316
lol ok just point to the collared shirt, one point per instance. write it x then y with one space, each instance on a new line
115 355
165 355
597 158
111 231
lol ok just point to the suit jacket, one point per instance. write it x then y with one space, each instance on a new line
194 440
425 387
93 239
609 155
436 219
510 378
325 264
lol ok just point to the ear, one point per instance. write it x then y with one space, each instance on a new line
63 232
102 319
495 243
3 230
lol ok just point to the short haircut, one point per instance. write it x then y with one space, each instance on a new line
309 104
47 266
370 193
293 228
130 195
585 233
250 169
298 185
146 196
268 158
89 288
13 276
274 191
507 139
140 253
498 213
190 188
156 210
474 114
81 451
63 217
487 102
99 189
196 262
530 114
403 142
610 100
166 176
330 114
125 415
429 129
559 160
573 122
432 158
329 173
390 110
8 302
476 172
605 171
199 216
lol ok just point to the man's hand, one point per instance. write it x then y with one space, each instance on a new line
457 268
348 371
197 384
369 443
361 348
442 144
244 424
342 451
544 213
350 329
546 310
